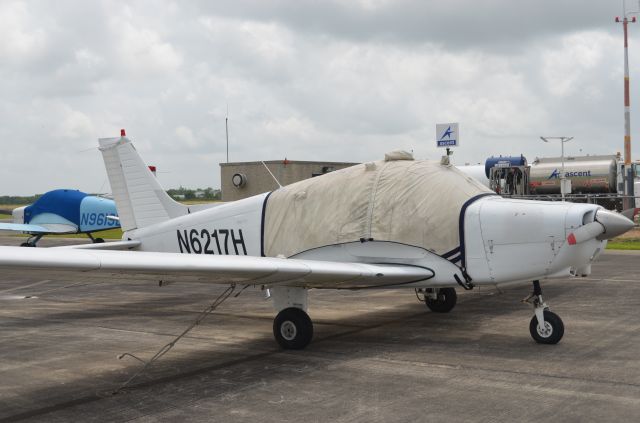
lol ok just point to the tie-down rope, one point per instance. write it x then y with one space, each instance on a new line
165 349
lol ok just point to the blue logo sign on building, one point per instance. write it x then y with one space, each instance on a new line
447 135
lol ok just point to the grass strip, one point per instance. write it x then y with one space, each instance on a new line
624 244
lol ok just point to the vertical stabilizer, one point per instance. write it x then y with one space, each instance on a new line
140 199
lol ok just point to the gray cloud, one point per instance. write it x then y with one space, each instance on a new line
454 23
304 80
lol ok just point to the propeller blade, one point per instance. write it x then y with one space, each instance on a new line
585 233
607 225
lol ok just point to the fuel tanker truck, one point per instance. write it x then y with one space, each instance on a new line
588 175
599 176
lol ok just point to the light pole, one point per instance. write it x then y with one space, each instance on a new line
627 108
562 176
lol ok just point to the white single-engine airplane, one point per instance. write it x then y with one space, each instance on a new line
397 223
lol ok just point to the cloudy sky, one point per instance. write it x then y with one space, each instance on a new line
344 80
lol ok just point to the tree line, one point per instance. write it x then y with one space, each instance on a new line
178 194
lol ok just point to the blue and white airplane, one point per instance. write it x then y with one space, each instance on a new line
64 211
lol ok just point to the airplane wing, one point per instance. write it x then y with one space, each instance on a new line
175 267
33 229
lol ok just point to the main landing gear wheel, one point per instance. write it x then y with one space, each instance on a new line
293 329
32 241
95 240
552 331
444 302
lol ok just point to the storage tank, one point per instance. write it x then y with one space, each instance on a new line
506 161
588 174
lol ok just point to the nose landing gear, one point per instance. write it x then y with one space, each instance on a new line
545 327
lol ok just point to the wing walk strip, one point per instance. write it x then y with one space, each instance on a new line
212 269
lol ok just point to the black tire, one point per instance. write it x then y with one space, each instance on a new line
27 244
98 240
553 322
293 329
446 301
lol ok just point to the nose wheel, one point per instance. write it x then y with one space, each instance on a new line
545 327
552 330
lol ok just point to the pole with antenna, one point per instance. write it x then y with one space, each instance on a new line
226 128
628 201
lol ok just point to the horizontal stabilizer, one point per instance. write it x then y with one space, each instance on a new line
211 269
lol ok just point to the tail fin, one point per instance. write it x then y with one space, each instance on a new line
139 198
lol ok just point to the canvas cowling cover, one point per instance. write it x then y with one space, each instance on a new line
411 202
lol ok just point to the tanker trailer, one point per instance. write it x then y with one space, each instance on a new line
588 175
508 175
493 179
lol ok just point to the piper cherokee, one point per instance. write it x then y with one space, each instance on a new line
63 211
395 223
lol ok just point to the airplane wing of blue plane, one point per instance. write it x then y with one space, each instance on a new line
64 211
21 227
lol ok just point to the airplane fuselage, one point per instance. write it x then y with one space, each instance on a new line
502 240
228 229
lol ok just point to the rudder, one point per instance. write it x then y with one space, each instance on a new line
140 199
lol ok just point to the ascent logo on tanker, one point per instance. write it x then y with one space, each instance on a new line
555 174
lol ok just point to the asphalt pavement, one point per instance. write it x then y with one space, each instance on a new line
377 356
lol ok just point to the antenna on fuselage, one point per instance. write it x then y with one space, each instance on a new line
272 175
226 129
